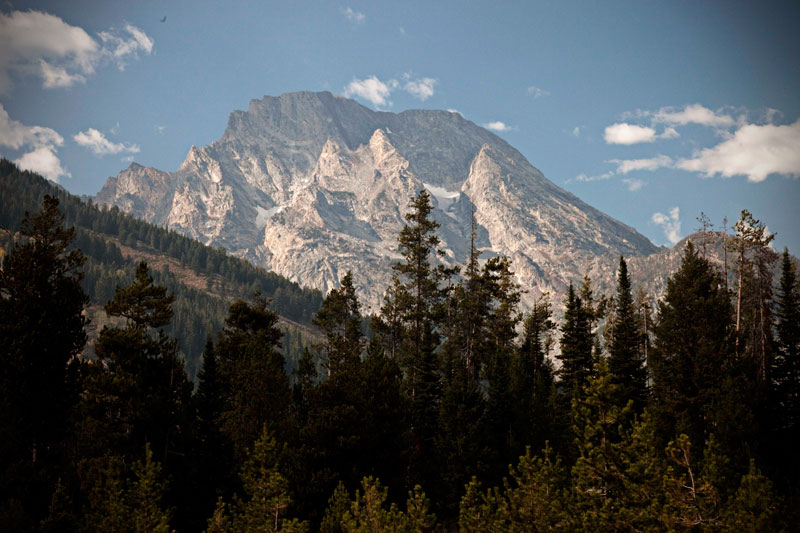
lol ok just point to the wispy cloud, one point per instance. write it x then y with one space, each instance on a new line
754 151
625 166
598 177
692 114
353 15
40 142
634 184
537 92
121 45
670 223
160 129
95 141
576 131
34 43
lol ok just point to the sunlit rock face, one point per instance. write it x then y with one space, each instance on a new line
311 185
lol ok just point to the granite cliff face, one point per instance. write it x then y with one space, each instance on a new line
311 185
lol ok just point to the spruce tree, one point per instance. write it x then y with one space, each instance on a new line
576 346
786 373
692 359
412 316
340 320
251 368
145 397
41 333
533 382
626 362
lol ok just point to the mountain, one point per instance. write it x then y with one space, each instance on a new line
205 281
310 185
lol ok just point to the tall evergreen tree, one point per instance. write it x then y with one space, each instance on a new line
576 346
145 397
694 371
41 333
340 320
412 317
626 362
787 362
251 368
533 382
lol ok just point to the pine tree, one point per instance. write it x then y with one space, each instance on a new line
41 335
692 354
576 346
626 362
340 320
251 368
786 373
266 491
754 261
533 381
412 316
145 396
599 472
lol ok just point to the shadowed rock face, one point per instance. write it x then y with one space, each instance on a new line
311 185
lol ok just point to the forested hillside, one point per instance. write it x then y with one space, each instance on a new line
204 280
676 416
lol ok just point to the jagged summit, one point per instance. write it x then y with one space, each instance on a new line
312 185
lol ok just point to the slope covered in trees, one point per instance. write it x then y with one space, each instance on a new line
690 424
204 280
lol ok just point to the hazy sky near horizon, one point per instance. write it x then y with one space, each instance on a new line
650 111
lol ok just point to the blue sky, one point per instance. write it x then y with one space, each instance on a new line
650 111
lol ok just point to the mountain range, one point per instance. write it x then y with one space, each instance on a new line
311 185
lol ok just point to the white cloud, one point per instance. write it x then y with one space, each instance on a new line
671 224
633 184
692 114
537 92
16 135
34 43
753 151
599 177
44 161
119 46
160 130
40 142
576 131
371 89
498 126
624 133
669 133
625 166
95 141
421 88
127 159
354 16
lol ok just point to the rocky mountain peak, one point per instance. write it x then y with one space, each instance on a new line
312 185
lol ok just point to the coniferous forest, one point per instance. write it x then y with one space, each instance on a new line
450 410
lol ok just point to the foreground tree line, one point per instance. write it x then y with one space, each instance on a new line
686 418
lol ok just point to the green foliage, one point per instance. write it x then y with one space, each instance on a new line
254 384
368 512
118 501
41 333
692 352
101 233
339 318
626 362
265 489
